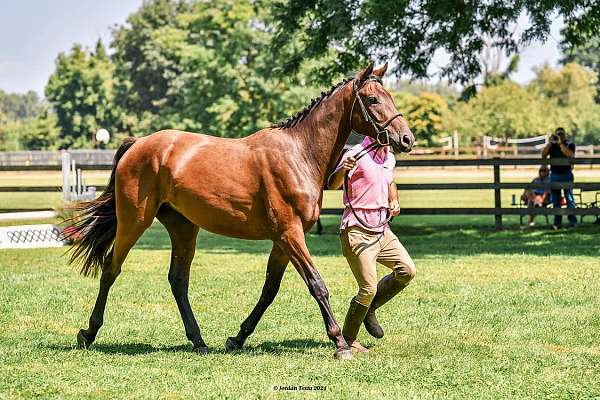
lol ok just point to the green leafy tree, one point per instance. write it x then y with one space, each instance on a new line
410 32
503 110
25 124
427 114
211 68
80 91
142 71
586 54
39 133
571 91
14 106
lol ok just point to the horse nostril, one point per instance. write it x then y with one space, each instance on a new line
406 141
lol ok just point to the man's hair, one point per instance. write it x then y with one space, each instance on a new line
560 130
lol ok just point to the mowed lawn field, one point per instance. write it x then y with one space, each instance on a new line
511 314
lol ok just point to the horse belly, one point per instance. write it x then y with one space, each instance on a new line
221 200
221 217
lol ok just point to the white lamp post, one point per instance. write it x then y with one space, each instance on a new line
102 136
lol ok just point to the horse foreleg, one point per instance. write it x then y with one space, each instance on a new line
183 235
276 265
294 245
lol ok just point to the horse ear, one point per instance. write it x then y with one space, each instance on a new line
366 73
381 71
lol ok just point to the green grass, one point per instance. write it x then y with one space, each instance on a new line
511 314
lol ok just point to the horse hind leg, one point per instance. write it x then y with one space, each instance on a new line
276 266
128 232
183 235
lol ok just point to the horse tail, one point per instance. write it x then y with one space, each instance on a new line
94 226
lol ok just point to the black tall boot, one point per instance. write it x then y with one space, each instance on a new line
387 288
354 318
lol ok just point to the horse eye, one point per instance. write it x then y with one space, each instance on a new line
372 100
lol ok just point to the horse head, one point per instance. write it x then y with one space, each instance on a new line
373 112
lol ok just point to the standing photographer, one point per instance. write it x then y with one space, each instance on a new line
559 147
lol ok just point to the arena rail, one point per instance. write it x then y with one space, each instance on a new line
407 162
497 211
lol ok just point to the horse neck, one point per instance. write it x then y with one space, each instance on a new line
324 132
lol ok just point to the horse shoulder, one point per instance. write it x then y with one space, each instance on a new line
290 189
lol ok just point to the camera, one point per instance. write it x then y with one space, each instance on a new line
553 139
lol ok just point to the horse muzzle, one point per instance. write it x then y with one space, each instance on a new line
402 142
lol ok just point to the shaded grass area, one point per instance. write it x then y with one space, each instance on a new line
511 314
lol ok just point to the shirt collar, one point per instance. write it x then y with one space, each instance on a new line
378 155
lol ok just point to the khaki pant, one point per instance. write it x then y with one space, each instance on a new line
364 249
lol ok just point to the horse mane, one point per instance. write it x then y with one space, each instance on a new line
299 116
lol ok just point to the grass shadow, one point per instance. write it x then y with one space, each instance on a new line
125 348
285 346
133 349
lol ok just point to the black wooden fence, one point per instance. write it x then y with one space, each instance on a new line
498 210
497 186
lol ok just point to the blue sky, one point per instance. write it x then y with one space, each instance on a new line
33 32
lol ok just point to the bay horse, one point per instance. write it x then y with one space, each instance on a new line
268 185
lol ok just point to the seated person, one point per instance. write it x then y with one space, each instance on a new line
537 197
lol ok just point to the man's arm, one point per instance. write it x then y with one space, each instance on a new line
546 150
336 179
393 199
565 149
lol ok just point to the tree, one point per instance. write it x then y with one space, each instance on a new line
39 133
210 68
410 32
142 72
16 106
586 54
427 114
25 122
503 110
571 92
80 91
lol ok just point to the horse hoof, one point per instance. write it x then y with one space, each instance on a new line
343 354
201 351
232 344
82 342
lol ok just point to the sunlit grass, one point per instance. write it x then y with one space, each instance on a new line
512 314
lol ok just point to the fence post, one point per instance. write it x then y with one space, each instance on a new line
66 169
497 197
455 144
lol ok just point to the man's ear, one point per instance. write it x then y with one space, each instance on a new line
381 71
366 73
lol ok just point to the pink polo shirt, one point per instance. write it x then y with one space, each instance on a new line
369 186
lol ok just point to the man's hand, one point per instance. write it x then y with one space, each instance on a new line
349 163
337 178
394 208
